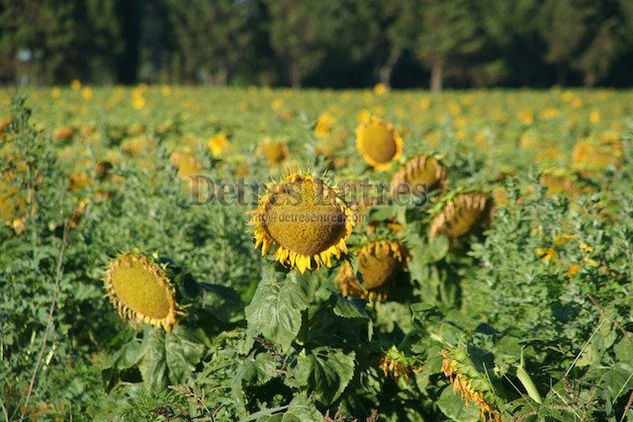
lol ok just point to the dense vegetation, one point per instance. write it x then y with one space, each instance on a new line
325 43
521 312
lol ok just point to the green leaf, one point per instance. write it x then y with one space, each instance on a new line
324 371
453 407
302 410
345 308
257 371
275 311
153 365
182 354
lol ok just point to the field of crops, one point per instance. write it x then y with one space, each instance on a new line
179 253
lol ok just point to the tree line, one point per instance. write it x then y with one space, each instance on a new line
323 43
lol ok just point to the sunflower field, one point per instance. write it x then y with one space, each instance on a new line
221 254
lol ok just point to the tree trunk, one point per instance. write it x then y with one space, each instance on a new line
437 74
385 71
589 79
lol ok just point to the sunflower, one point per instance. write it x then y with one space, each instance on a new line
558 183
275 152
398 365
141 291
13 206
378 263
378 142
458 214
423 170
589 157
305 220
218 143
187 164
468 384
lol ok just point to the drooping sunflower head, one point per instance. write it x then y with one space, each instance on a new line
378 142
424 171
140 289
458 214
305 220
396 364
469 384
379 262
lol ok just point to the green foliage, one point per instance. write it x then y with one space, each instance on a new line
531 310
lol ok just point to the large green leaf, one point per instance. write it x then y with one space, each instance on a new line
324 371
453 407
153 365
182 353
275 311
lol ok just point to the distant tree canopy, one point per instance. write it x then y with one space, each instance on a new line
328 43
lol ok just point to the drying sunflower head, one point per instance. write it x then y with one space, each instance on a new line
423 172
140 289
379 262
458 213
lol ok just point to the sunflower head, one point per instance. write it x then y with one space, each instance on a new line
469 384
398 365
422 171
378 142
13 205
558 183
305 220
187 164
458 214
140 289
379 262
275 152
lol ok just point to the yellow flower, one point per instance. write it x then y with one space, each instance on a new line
363 116
548 254
563 238
526 117
75 84
141 291
86 94
324 125
380 89
138 102
549 113
187 164
378 143
218 143
594 116
572 270
275 152
56 92
585 248
586 156
165 90
303 218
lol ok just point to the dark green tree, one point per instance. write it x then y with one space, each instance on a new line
449 31
563 27
210 37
